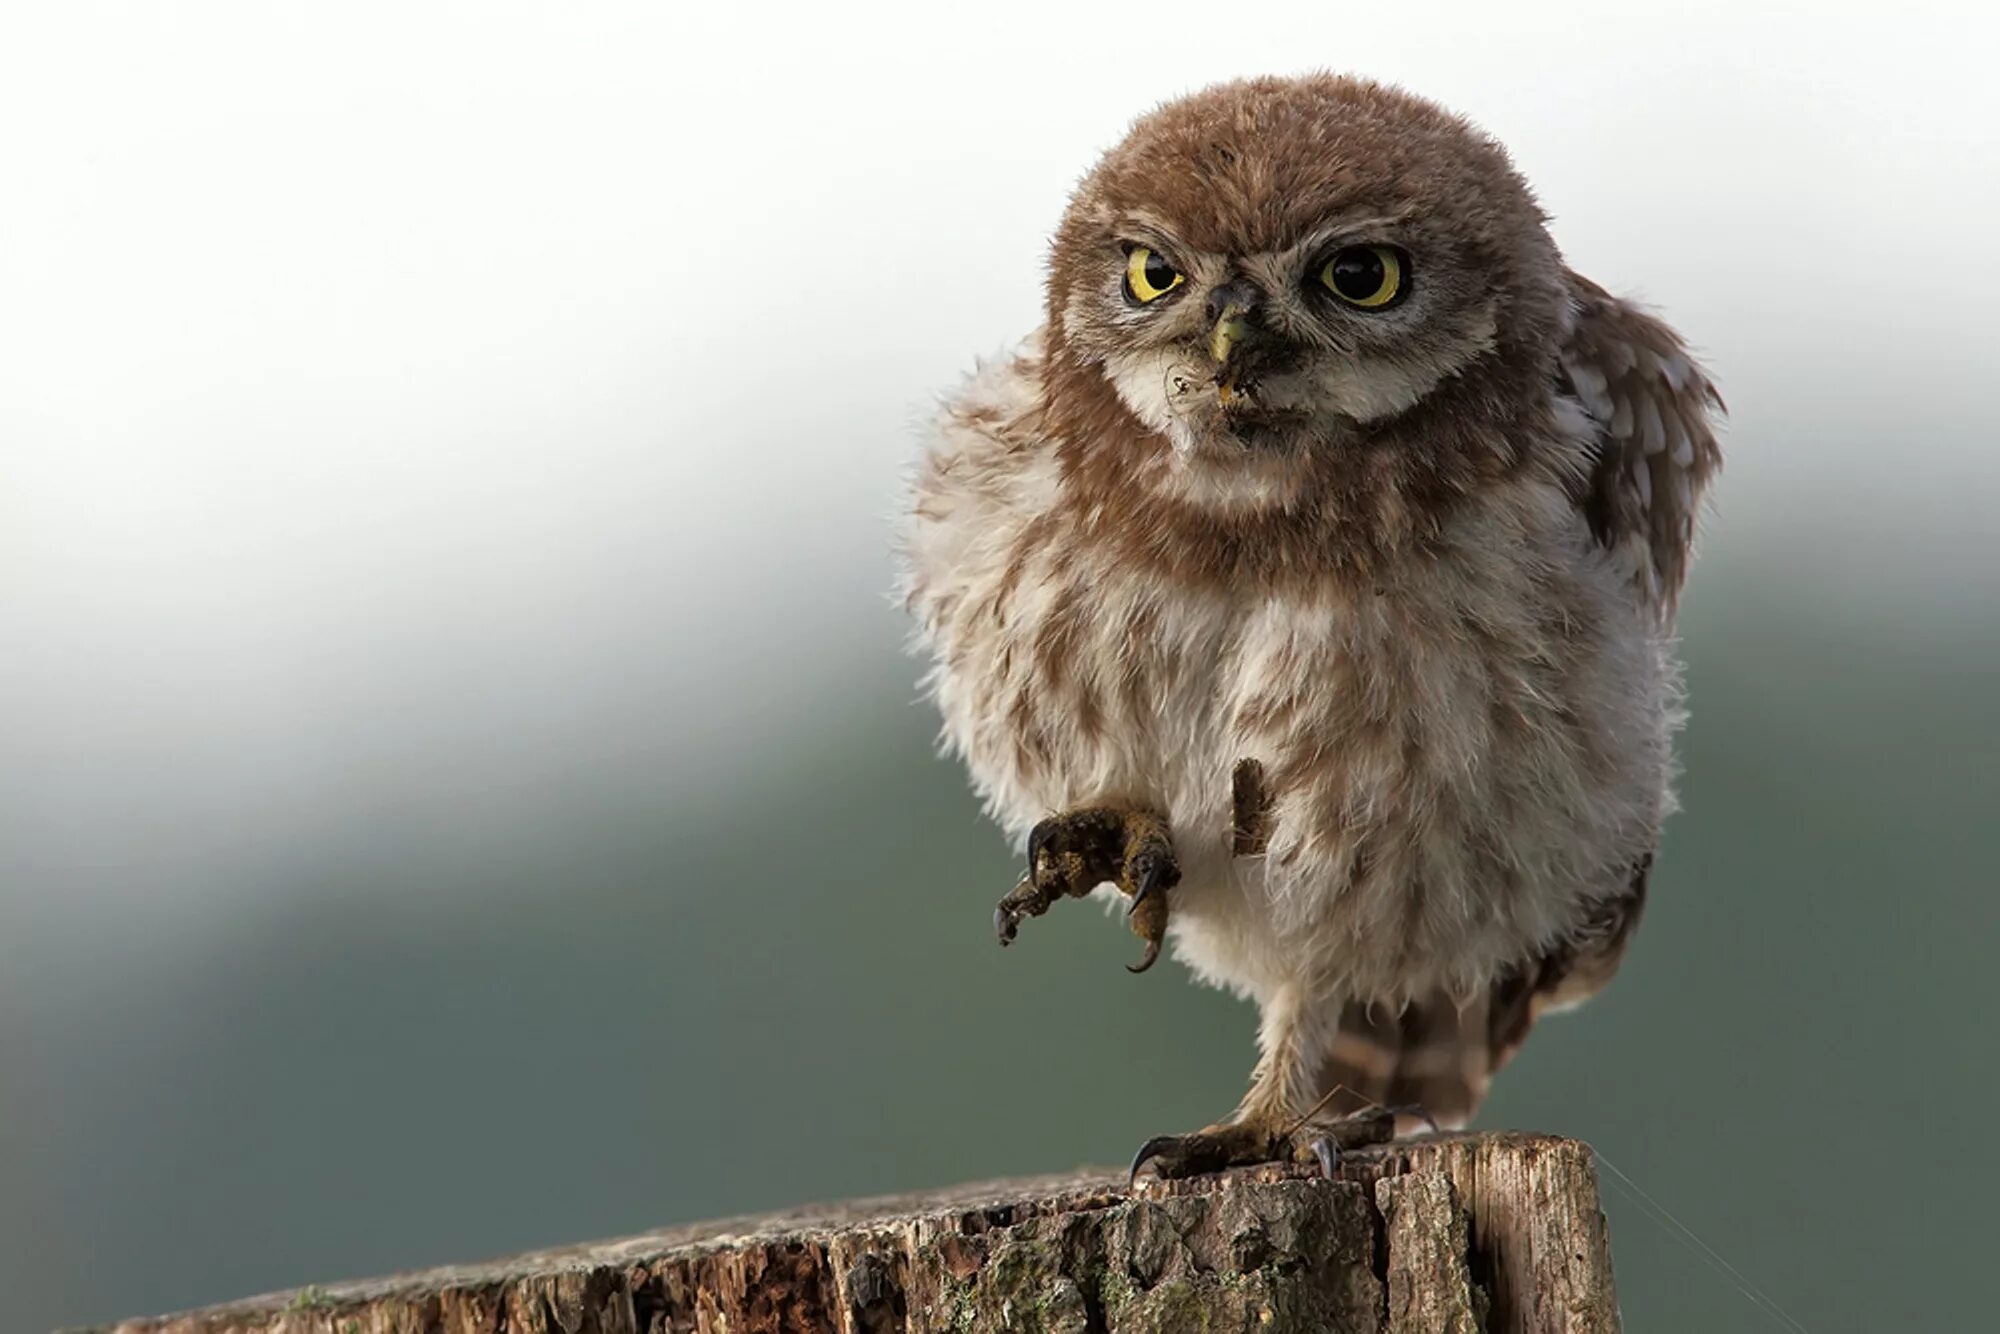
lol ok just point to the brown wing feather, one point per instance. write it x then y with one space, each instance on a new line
1655 412
1442 1056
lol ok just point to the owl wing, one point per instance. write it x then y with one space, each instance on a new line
1654 413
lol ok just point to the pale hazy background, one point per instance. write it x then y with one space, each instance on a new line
459 785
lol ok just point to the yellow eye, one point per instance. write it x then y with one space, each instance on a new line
1148 277
1368 276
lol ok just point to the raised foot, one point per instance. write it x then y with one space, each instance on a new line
1255 1141
1073 853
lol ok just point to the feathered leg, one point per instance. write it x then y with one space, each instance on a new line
1291 1113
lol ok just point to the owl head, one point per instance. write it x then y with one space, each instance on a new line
1266 274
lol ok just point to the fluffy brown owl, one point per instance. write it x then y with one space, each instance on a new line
1308 578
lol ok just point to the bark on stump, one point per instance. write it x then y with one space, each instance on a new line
1446 1235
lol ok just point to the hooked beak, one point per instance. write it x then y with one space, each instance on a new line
1229 331
1230 306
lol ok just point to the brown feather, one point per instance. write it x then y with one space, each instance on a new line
1656 451
1381 625
1440 1056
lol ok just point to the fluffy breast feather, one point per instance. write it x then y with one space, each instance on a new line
1464 752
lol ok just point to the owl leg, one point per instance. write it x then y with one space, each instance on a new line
1074 852
1293 1113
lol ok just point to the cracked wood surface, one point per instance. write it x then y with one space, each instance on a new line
1454 1234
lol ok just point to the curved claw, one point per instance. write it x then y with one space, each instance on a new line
1150 895
1151 1149
1038 842
1328 1154
1149 885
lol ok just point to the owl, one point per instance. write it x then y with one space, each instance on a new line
1306 583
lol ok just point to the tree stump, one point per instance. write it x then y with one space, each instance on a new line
1450 1234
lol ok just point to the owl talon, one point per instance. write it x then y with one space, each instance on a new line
1151 876
1025 900
1042 865
1174 1157
1147 913
1074 852
1215 1149
1259 1140
1148 1151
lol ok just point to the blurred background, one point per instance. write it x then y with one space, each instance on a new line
461 788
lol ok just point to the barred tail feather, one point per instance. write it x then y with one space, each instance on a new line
1439 1056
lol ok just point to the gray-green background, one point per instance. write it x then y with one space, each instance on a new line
461 788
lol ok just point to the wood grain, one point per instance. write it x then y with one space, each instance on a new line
1454 1233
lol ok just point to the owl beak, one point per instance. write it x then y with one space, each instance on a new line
1229 332
1231 307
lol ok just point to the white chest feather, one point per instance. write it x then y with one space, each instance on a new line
1460 759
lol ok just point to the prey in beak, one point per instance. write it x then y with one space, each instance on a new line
1232 311
1250 358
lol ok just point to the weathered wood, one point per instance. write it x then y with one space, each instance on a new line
1430 1287
1453 1233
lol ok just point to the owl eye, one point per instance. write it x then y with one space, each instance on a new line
1368 276
1148 277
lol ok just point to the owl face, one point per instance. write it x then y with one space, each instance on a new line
1276 269
1271 350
